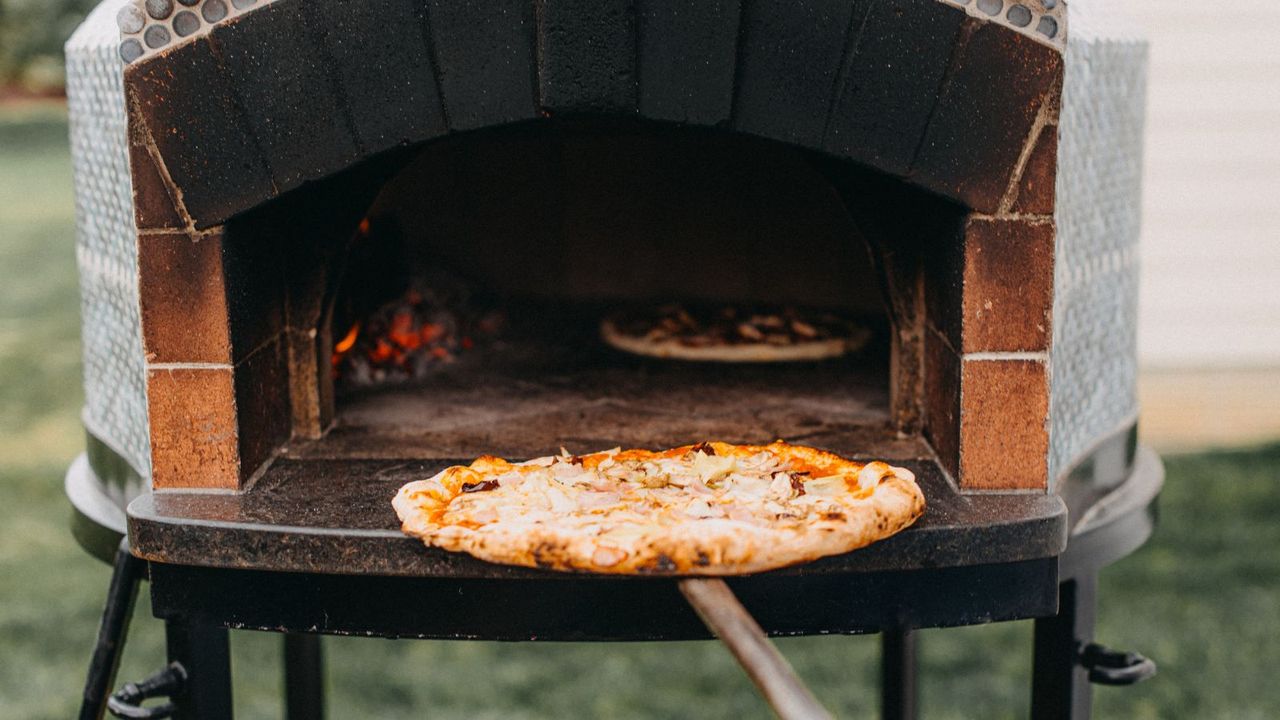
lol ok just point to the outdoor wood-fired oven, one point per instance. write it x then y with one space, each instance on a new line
256 178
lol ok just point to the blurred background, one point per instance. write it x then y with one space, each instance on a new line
1201 598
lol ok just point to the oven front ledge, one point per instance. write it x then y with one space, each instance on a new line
335 517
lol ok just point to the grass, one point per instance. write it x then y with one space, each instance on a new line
1203 597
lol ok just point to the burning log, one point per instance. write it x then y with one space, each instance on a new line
408 338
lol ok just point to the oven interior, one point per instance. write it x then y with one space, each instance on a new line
506 247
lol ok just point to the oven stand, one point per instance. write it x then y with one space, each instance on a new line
198 677
127 573
1059 685
899 693
1066 662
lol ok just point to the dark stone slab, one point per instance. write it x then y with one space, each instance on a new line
485 57
335 516
566 606
284 86
381 57
586 55
889 84
990 100
188 104
789 56
578 608
687 54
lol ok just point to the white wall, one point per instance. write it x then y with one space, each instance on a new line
1211 210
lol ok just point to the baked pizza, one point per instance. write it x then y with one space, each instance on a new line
708 509
733 334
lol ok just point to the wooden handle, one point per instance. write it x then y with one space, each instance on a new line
716 604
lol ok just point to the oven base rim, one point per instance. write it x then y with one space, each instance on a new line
637 609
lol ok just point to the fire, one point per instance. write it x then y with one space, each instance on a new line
426 327
347 342
406 338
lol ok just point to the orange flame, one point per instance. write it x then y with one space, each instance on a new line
348 341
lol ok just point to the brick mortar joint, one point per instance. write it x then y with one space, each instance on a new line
1045 117
234 367
1028 218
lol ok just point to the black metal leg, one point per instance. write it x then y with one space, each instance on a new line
203 650
303 677
898 693
112 631
1059 685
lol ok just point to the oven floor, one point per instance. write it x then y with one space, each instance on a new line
552 383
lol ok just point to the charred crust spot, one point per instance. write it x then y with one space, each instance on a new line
544 554
797 484
482 486
833 516
705 447
540 559
702 560
660 564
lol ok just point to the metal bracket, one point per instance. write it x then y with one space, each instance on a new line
1115 667
127 701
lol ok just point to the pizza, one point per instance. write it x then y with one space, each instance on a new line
708 509
732 334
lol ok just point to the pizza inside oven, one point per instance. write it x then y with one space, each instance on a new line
733 333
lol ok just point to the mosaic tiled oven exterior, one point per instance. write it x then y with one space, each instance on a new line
1027 113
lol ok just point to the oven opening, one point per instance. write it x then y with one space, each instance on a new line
464 313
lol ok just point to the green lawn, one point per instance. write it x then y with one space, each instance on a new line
1203 598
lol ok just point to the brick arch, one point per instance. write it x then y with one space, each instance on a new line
295 92
286 92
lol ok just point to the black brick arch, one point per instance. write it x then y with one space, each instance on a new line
301 89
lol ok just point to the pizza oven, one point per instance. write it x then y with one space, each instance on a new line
266 188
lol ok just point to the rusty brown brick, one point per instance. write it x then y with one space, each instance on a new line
1038 183
193 428
1004 438
1008 286
182 298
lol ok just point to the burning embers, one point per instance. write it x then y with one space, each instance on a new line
410 337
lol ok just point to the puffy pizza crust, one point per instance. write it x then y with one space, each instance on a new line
644 540
673 349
